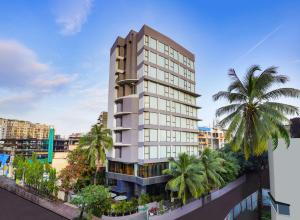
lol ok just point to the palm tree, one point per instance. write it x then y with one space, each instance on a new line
253 116
95 143
231 166
213 168
186 177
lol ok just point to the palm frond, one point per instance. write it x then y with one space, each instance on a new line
281 92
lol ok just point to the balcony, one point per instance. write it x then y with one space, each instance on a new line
126 78
121 113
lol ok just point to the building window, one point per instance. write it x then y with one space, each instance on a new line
153 152
151 169
118 167
152 72
153 135
153 102
152 43
280 207
152 57
146 102
146 40
146 135
161 47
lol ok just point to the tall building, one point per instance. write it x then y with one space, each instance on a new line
102 120
18 129
211 137
152 109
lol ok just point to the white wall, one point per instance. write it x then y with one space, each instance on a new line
285 177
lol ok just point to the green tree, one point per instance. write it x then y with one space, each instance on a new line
231 166
213 168
34 171
77 174
19 167
93 199
96 142
253 115
186 177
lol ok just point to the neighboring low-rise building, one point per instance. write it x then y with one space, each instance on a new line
211 137
74 140
102 120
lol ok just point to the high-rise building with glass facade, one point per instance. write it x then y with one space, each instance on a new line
152 109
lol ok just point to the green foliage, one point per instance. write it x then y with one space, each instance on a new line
144 199
231 166
213 168
124 207
32 173
19 165
95 143
93 199
192 177
253 116
77 174
187 177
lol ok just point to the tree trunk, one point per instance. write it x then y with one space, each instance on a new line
95 175
81 213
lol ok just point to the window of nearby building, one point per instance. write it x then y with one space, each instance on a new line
151 169
118 167
160 47
152 72
160 61
152 57
146 102
152 43
160 75
153 102
153 152
153 135
146 38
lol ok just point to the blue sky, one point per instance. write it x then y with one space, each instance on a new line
54 55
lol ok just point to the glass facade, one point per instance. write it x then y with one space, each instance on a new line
151 169
118 167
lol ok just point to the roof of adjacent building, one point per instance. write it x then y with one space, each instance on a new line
204 128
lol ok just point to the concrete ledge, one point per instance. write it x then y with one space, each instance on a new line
59 208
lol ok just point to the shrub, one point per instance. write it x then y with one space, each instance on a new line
144 199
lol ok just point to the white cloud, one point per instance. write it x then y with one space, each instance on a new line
24 79
72 14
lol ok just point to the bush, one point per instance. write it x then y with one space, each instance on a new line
93 199
39 177
144 199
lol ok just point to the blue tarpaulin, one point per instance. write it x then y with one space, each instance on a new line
3 158
204 128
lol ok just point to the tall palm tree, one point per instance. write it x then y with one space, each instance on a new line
186 177
213 168
253 116
231 166
95 143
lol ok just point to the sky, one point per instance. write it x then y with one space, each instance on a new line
54 55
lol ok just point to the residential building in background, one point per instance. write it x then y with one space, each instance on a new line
211 137
19 129
102 120
74 140
3 129
152 109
